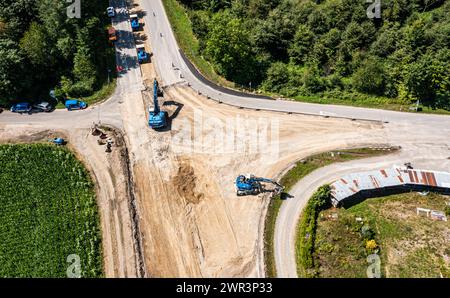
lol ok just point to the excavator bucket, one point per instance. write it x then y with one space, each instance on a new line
278 189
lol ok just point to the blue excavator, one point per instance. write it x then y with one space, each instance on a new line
251 185
157 118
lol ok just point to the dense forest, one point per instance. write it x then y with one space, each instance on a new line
41 48
329 47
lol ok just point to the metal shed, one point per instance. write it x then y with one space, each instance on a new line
385 181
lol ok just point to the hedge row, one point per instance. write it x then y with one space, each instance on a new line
307 230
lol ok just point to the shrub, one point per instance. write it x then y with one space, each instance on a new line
371 246
307 228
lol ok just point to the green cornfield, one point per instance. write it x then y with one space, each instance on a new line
49 220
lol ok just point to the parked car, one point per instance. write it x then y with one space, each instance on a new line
111 12
73 104
22 107
43 107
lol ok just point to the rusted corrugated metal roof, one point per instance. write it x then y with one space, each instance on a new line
384 178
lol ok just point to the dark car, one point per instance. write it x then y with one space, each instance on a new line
43 107
22 107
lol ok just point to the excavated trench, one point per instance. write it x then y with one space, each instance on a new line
132 205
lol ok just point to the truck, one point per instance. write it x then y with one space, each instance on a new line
134 22
142 54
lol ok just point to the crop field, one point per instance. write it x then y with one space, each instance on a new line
48 214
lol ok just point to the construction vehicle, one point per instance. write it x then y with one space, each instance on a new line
112 34
251 185
141 53
157 118
134 22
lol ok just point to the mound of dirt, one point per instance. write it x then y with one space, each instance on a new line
185 183
34 136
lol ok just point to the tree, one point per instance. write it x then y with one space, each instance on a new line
84 71
277 77
312 81
370 77
11 68
386 42
229 48
34 44
274 34
301 44
428 79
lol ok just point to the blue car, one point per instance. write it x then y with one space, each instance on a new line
73 104
22 107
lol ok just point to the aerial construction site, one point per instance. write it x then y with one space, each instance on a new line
186 172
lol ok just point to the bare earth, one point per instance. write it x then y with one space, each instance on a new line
192 222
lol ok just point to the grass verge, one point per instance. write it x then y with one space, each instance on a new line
49 216
300 170
306 233
367 101
188 43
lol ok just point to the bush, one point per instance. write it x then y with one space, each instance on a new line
307 228
371 246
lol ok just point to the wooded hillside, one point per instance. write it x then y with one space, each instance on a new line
41 48
329 47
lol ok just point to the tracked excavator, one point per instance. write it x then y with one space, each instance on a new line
251 185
